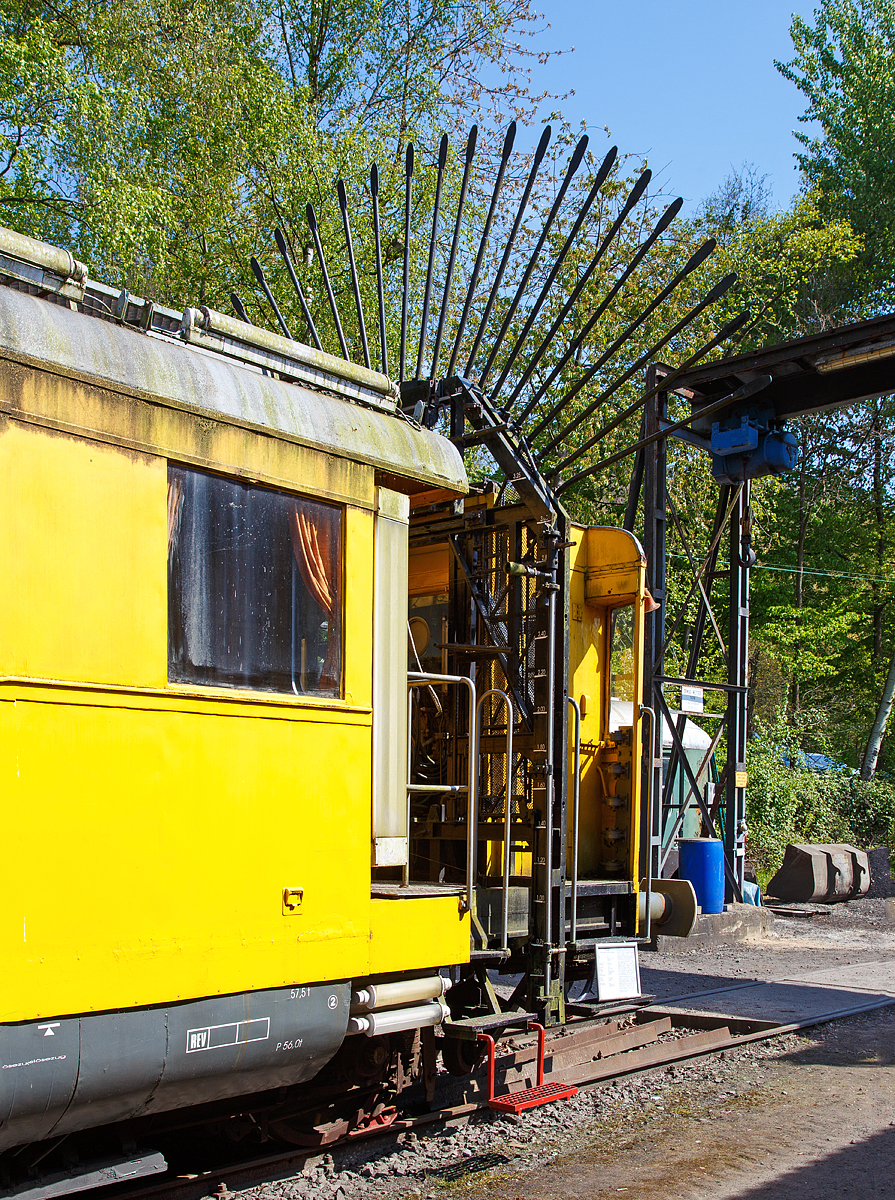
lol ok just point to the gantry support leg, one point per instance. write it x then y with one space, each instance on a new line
740 555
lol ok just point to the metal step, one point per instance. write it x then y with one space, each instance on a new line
546 1093
469 1028
89 1176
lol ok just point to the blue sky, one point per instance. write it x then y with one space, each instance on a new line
690 86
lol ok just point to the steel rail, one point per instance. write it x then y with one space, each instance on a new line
355 282
575 346
452 258
644 360
258 272
283 247
239 308
549 743
576 803
433 245
405 294
663 385
497 343
748 389
505 153
633 198
377 238
508 248
602 175
311 218
696 259
405 870
645 708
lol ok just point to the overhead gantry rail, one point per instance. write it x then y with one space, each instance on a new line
820 373
811 374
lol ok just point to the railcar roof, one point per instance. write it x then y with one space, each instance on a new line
53 317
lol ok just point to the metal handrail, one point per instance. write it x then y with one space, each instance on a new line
405 873
576 797
505 908
551 782
420 679
452 788
644 708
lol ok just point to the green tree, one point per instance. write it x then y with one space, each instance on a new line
844 64
162 143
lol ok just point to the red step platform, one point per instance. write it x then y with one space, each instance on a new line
542 1093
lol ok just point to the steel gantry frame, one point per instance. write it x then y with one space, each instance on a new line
476 357
819 373
649 476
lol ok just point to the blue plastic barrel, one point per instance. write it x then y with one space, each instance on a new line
702 862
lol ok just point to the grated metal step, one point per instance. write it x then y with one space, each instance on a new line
544 1093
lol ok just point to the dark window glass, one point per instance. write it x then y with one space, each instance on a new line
254 587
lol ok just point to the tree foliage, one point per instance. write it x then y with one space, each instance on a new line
788 801
844 64
162 141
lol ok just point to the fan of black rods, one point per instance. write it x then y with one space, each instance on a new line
487 332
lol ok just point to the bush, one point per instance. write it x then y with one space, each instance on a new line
786 802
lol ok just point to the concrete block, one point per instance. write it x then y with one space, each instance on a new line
738 923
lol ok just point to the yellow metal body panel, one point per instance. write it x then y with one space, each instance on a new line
58 402
588 654
427 931
80 524
429 571
152 829
614 574
608 572
162 836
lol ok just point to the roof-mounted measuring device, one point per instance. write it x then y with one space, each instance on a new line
43 267
289 359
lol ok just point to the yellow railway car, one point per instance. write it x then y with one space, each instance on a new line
233 834
198 625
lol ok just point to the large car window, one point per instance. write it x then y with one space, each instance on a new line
254 587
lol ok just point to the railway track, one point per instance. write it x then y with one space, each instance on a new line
584 1053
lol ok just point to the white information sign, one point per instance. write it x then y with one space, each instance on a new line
618 971
691 699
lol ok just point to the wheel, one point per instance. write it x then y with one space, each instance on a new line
461 1057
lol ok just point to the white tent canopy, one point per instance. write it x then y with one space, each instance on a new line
694 738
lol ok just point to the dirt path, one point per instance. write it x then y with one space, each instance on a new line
837 935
